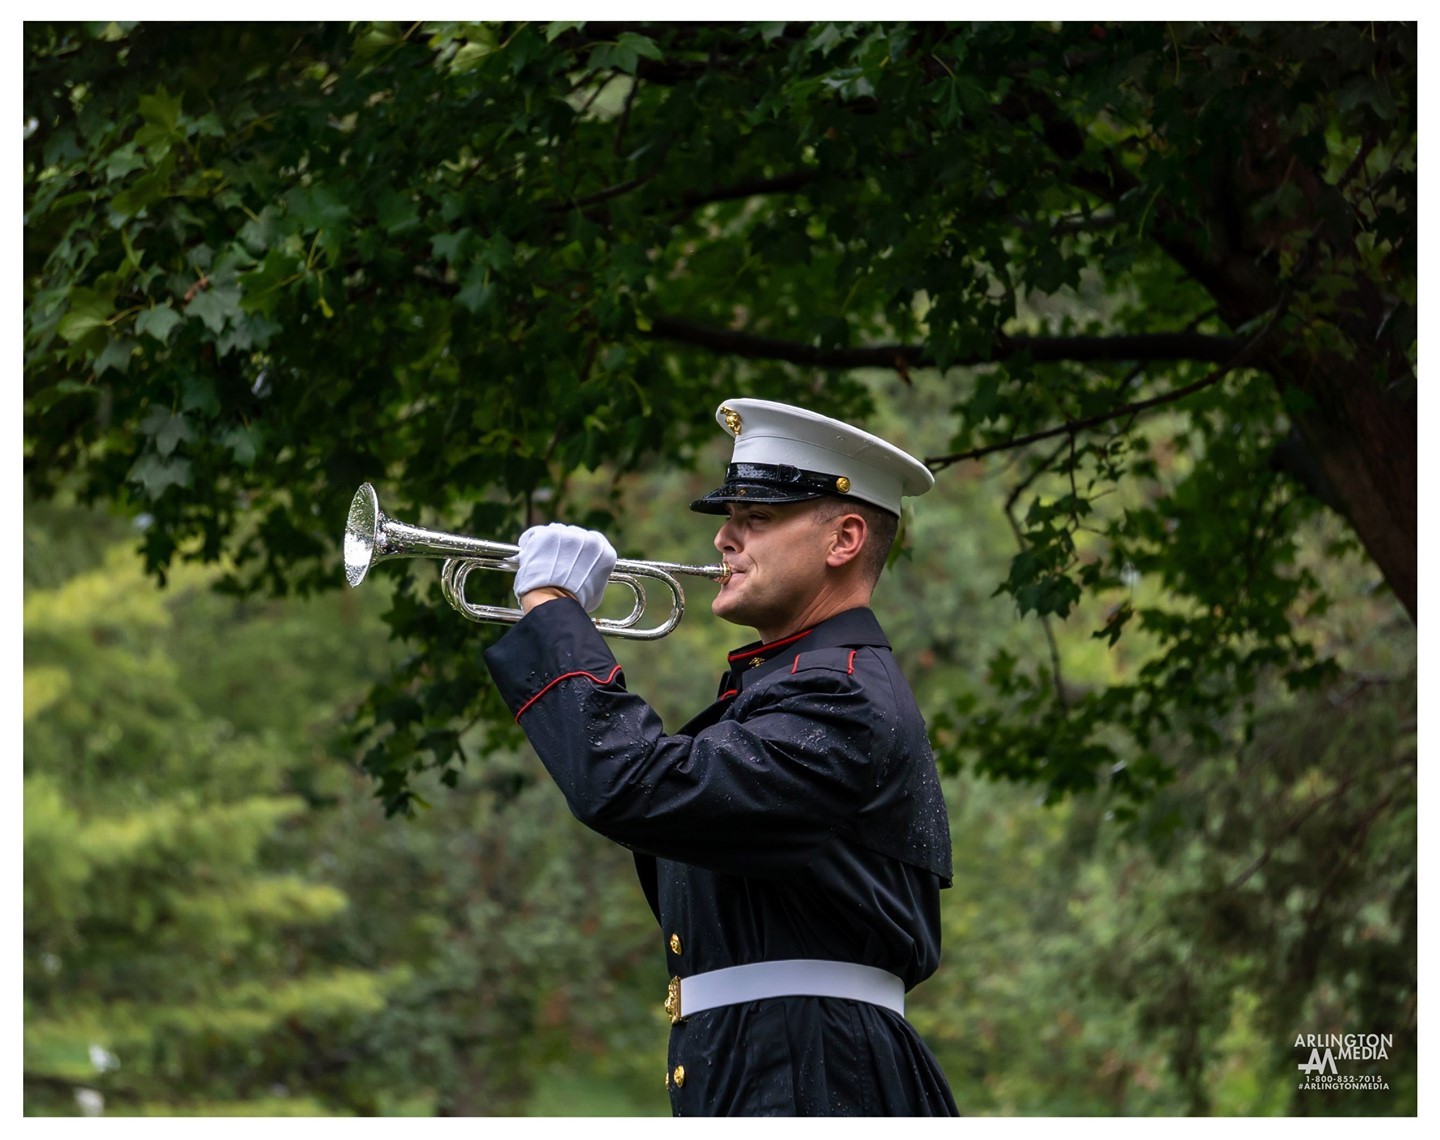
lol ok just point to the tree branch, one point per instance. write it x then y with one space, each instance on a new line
604 195
1041 349
779 184
1251 348
1069 427
691 199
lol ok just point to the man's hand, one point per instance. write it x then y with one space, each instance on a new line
568 559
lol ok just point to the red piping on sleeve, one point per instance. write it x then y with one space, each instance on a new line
562 677
728 693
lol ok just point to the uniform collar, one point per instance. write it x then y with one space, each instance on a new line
852 629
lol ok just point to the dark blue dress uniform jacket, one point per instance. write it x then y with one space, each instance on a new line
799 816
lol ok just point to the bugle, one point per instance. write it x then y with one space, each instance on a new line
372 537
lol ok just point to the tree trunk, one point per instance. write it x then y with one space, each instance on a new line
1362 430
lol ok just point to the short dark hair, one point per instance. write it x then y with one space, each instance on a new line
880 529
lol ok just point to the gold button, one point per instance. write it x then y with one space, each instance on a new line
674 943
679 1076
842 484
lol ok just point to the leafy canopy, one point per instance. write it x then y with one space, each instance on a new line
265 262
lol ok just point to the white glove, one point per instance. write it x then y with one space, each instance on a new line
570 557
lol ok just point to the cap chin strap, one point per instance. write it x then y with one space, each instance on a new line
783 477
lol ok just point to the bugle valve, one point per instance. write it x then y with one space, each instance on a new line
372 537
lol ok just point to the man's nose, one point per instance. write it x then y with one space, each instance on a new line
726 539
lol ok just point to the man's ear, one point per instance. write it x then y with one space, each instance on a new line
848 539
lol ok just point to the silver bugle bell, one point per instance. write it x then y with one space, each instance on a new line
371 537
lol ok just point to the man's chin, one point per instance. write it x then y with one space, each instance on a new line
728 609
723 611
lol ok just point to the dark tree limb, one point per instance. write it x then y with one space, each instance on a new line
1041 349
1070 427
785 183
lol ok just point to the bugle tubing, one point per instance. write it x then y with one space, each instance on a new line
372 537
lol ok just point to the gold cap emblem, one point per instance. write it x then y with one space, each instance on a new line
732 421
842 485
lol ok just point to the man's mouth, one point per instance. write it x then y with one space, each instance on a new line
730 577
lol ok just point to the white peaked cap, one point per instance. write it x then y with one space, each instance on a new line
787 454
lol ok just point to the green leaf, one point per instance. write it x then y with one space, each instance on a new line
123 161
640 45
478 293
89 310
317 208
262 231
471 55
208 126
161 109
616 55
558 28
158 321
497 252
168 429
116 355
826 39
215 305
396 212
158 475
244 444
449 246
148 190
262 287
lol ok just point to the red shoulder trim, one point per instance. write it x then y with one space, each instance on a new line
849 663
564 676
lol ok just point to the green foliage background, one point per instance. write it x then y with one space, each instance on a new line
490 957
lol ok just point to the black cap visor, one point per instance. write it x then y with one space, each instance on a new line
766 483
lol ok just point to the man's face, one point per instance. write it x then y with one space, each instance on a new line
776 552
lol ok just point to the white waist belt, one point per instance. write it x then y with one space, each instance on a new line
795 977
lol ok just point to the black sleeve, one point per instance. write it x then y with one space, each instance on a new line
758 792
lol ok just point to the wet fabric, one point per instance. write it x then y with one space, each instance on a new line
799 816
804 1057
